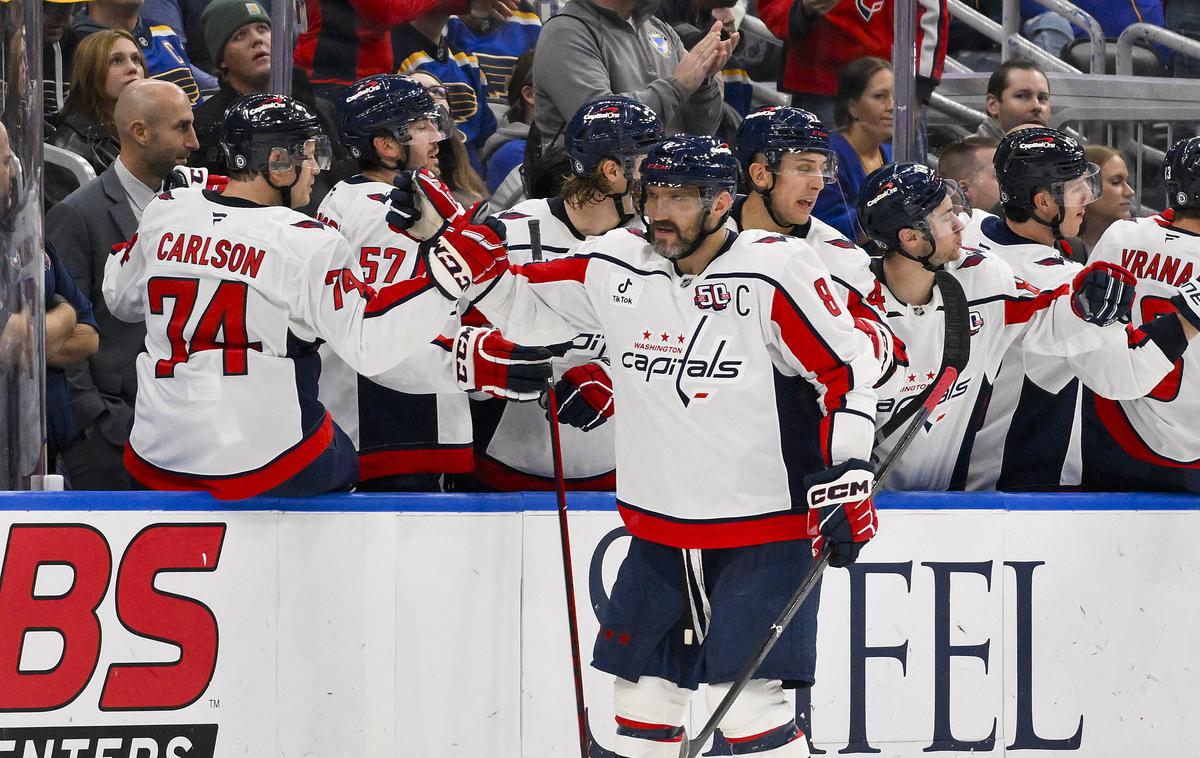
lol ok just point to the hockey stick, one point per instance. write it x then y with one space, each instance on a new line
564 535
956 350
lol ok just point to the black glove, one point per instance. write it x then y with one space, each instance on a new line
1102 293
404 210
585 396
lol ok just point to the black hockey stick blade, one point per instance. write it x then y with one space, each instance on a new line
956 351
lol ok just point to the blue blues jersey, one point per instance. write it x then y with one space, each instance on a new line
496 46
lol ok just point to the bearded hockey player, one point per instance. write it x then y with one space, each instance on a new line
605 142
1030 437
237 290
1150 444
745 397
413 424
786 161
916 219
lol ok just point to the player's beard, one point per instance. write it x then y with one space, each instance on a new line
681 247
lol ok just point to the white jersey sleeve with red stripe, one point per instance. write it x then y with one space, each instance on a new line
1157 428
731 385
235 297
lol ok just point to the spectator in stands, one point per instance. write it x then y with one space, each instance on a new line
496 43
969 162
163 54
1116 196
504 150
453 164
154 124
593 48
824 36
184 17
238 35
1183 17
105 64
691 19
421 45
863 114
1017 93
72 336
345 40
58 50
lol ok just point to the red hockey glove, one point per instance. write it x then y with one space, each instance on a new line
182 177
424 206
889 349
485 361
464 257
1102 293
840 510
585 396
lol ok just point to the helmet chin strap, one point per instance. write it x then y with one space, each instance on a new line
285 191
924 260
1060 242
770 206
623 217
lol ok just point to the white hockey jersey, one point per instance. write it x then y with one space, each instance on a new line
512 440
730 385
1030 435
1004 310
236 297
1160 428
414 418
849 269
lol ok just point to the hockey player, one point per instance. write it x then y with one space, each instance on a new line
786 161
1030 434
412 424
237 290
1149 444
605 142
916 219
746 402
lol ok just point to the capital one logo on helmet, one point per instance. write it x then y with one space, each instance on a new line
888 190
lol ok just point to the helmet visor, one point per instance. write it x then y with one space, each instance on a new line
316 149
435 126
808 164
670 200
1080 191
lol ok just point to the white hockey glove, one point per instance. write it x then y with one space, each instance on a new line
1187 302
183 177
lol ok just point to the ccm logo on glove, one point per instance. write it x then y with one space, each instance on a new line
852 486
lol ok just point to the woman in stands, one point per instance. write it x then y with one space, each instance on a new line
1116 196
863 113
454 163
105 63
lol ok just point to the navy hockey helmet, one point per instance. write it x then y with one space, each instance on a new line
385 103
777 129
1039 158
1181 174
258 126
610 127
902 196
687 160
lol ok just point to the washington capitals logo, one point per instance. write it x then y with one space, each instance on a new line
841 242
868 8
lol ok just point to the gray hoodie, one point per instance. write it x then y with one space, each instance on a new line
586 51
501 137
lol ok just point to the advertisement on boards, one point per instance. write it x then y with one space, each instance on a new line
140 634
